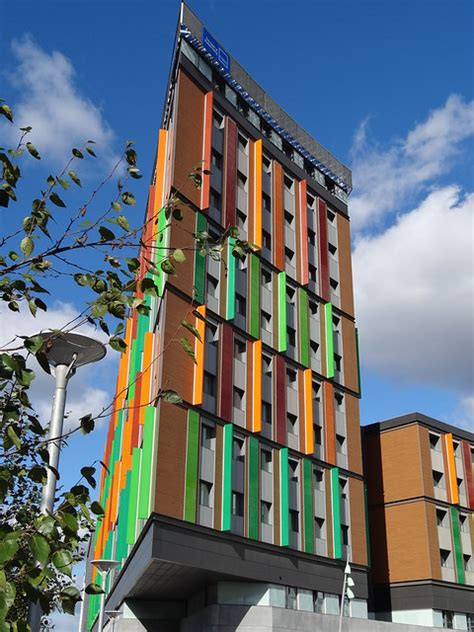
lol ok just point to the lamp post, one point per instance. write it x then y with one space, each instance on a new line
65 353
104 566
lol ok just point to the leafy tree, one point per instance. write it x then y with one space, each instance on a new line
96 249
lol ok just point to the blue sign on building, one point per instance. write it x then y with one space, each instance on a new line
216 50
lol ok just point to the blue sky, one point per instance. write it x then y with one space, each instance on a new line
386 86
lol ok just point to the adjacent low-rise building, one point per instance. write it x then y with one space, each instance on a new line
420 493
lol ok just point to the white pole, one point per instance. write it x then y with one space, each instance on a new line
102 601
343 598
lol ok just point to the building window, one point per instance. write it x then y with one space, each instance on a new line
312 237
212 285
319 528
216 159
331 216
266 321
332 249
340 444
293 467
342 487
209 385
266 164
265 512
463 523
470 622
291 594
448 619
238 453
445 558
291 336
333 283
435 442
266 202
241 304
441 518
339 397
291 423
317 432
337 361
239 349
241 181
438 480
289 256
217 119
345 534
294 521
243 143
467 563
205 490
318 601
266 240
291 377
267 365
215 199
289 219
288 183
266 277
266 460
266 413
237 504
318 476
312 273
238 398
208 436
241 220
313 308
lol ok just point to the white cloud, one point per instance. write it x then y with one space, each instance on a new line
385 178
414 287
89 391
50 101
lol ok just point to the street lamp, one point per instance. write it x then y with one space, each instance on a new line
65 353
104 566
112 615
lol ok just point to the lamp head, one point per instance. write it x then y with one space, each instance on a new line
67 348
350 594
104 565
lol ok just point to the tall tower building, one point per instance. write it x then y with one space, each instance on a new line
249 493
419 474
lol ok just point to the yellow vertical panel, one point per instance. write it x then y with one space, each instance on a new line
257 209
453 483
199 355
257 386
308 412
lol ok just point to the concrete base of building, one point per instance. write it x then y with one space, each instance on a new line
219 618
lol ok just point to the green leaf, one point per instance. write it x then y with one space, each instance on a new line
69 521
87 424
40 548
131 157
116 206
168 267
64 183
47 525
6 111
43 362
62 559
26 129
33 151
192 329
74 178
148 286
33 343
106 234
187 346
32 307
128 198
179 256
91 151
117 343
55 199
72 592
8 549
77 153
26 246
14 438
122 221
93 589
97 508
88 474
172 397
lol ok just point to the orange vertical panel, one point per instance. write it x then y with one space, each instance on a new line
257 193
303 235
329 425
126 456
206 150
308 412
257 386
451 468
199 356
278 237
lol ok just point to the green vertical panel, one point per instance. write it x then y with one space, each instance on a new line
358 362
308 506
254 296
146 464
303 326
230 296
252 487
460 577
108 556
329 340
227 478
199 263
284 499
367 535
281 283
192 452
122 547
336 513
161 251
133 505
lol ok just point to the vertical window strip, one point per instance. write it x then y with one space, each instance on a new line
146 463
303 234
458 555
308 509
254 296
303 314
230 295
133 500
252 488
281 280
